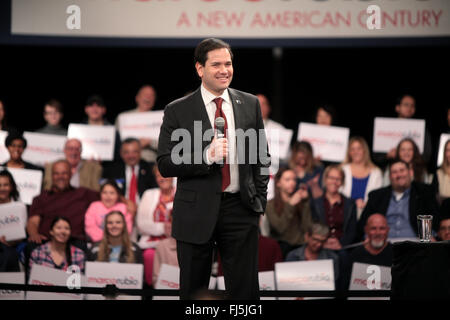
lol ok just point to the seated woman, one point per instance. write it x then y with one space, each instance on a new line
335 210
15 144
109 201
288 213
116 245
408 151
307 169
154 213
361 175
58 253
441 179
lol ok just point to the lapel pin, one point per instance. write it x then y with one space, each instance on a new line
238 101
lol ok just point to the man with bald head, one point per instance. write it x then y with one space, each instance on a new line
145 101
84 173
61 200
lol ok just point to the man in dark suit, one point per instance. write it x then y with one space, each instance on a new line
401 203
132 174
216 204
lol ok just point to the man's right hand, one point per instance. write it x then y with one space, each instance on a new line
218 150
37 238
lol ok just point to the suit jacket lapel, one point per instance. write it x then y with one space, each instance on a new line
199 110
236 102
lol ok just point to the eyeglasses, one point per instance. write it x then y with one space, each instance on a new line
444 228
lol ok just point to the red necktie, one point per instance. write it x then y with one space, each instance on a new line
133 186
226 166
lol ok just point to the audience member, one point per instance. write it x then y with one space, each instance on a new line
58 253
16 144
165 252
264 104
376 250
325 115
4 125
153 216
84 173
307 169
441 179
313 249
400 202
408 151
361 175
53 114
288 213
95 111
444 223
9 260
110 200
116 245
132 174
61 199
335 210
145 100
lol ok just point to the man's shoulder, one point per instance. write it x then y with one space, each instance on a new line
381 192
242 94
185 100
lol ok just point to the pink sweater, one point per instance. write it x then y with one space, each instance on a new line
95 216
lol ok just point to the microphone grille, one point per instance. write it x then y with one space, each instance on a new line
219 122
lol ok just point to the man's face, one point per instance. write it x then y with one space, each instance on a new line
315 242
61 176
400 176
145 98
95 112
217 72
406 108
444 229
72 151
52 115
377 230
323 117
265 106
131 153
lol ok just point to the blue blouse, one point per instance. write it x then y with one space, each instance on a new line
359 186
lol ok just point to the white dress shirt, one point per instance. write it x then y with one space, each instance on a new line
227 108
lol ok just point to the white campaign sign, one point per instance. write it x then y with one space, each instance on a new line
12 278
279 141
379 277
169 279
387 133
13 219
266 282
29 183
232 18
45 276
442 142
4 154
328 142
122 275
43 148
305 275
141 124
97 141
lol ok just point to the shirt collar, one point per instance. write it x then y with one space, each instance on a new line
208 97
397 196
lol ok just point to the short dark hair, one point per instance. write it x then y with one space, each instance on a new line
207 45
397 160
14 194
95 99
328 108
55 104
15 136
399 99
131 140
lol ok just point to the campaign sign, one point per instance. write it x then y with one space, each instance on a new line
97 141
122 275
43 148
370 277
266 282
305 275
328 142
13 219
45 276
279 141
169 279
388 132
29 183
12 278
442 142
4 154
141 124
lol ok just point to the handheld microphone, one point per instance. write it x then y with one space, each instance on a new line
220 130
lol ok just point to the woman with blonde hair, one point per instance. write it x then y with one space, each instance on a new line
116 245
361 175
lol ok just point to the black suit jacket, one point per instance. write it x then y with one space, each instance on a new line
198 196
146 179
349 228
422 200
